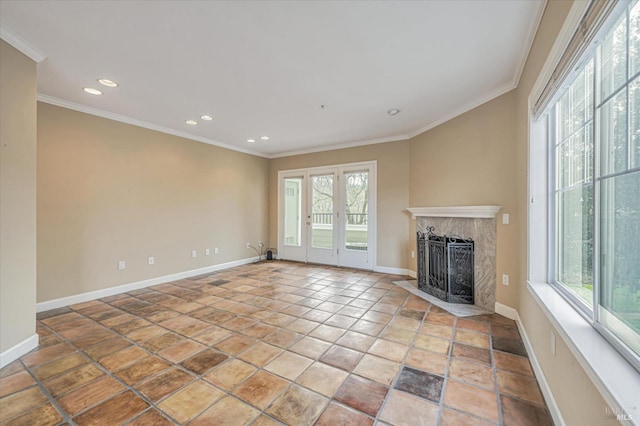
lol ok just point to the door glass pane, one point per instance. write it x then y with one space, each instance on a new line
292 211
356 196
322 211
620 254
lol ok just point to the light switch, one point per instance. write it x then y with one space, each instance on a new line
505 218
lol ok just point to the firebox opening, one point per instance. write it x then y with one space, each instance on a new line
445 266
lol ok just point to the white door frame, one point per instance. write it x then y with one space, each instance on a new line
373 205
297 253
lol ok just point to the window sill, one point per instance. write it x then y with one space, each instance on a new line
612 375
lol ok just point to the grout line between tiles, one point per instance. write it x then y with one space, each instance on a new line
113 375
273 292
50 398
495 377
454 327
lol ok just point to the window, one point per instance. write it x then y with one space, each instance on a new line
595 193
573 198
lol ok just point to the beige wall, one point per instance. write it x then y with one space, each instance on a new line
393 193
578 399
17 197
109 191
469 161
490 145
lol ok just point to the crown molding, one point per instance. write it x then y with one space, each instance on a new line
22 45
405 136
501 90
395 138
135 122
533 26
528 44
476 212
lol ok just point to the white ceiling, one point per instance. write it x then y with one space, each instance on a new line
265 67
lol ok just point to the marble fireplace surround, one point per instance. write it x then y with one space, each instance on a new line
477 223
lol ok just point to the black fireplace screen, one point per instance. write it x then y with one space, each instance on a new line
445 266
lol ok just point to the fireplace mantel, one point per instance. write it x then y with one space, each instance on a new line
480 212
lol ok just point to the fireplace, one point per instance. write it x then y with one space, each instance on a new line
445 266
477 223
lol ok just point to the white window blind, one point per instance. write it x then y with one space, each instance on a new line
591 23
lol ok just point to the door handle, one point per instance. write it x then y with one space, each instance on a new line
308 223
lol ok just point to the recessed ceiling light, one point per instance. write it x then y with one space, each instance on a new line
206 117
191 122
264 138
251 140
393 111
92 91
107 82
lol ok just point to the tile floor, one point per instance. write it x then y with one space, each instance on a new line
267 344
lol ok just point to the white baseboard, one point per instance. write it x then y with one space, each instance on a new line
506 311
97 294
11 354
511 313
390 270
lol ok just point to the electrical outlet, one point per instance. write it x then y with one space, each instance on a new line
260 243
121 265
505 218
553 343
505 279
216 251
194 254
207 252
248 245
413 254
151 260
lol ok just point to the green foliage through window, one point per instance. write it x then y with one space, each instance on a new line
596 174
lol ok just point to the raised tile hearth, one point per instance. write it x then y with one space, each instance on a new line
457 309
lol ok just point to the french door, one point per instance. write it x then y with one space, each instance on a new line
327 215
